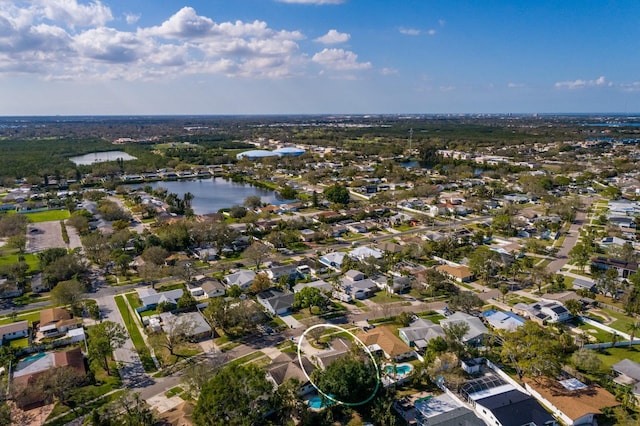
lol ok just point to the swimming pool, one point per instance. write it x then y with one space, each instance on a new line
400 369
317 402
34 357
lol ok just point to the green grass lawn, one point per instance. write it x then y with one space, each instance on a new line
383 297
621 322
611 356
431 316
31 317
48 215
136 337
247 358
601 335
9 258
133 299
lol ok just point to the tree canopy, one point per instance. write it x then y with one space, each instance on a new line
237 395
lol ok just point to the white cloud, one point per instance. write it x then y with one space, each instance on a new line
442 22
131 18
432 32
339 59
71 13
388 71
58 40
333 37
312 1
447 88
579 84
409 31
512 85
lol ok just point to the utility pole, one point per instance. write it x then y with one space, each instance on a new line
410 139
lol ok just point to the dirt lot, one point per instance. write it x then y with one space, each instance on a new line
44 235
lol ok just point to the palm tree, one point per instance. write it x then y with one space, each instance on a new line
614 339
632 329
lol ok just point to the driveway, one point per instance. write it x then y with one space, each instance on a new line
131 369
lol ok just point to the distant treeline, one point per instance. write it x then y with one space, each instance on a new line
26 158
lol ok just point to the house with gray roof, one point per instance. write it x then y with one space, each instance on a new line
477 330
195 325
333 260
15 330
627 373
419 332
242 278
150 298
442 410
321 285
275 301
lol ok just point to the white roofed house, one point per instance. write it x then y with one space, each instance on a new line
333 260
357 286
363 253
321 285
150 298
16 330
242 278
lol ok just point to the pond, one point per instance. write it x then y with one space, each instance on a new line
213 194
99 157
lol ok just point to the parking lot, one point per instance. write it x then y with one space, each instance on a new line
44 235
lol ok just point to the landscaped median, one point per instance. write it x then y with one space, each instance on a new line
136 337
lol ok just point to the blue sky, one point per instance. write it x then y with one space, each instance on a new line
318 56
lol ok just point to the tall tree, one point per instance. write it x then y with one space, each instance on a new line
309 297
239 395
104 338
68 292
256 253
532 350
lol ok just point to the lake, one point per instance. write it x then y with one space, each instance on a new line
99 157
211 195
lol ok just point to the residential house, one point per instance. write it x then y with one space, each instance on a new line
275 301
333 260
459 273
150 298
363 253
382 340
544 311
579 284
56 321
28 371
9 290
419 333
321 285
196 328
394 284
501 404
357 286
15 330
477 330
627 373
570 400
275 273
286 366
307 235
623 268
338 348
212 287
242 278
443 410
499 320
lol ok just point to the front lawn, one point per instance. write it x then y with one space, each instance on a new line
383 297
47 215
621 322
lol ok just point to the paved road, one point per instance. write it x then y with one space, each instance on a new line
562 258
131 369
